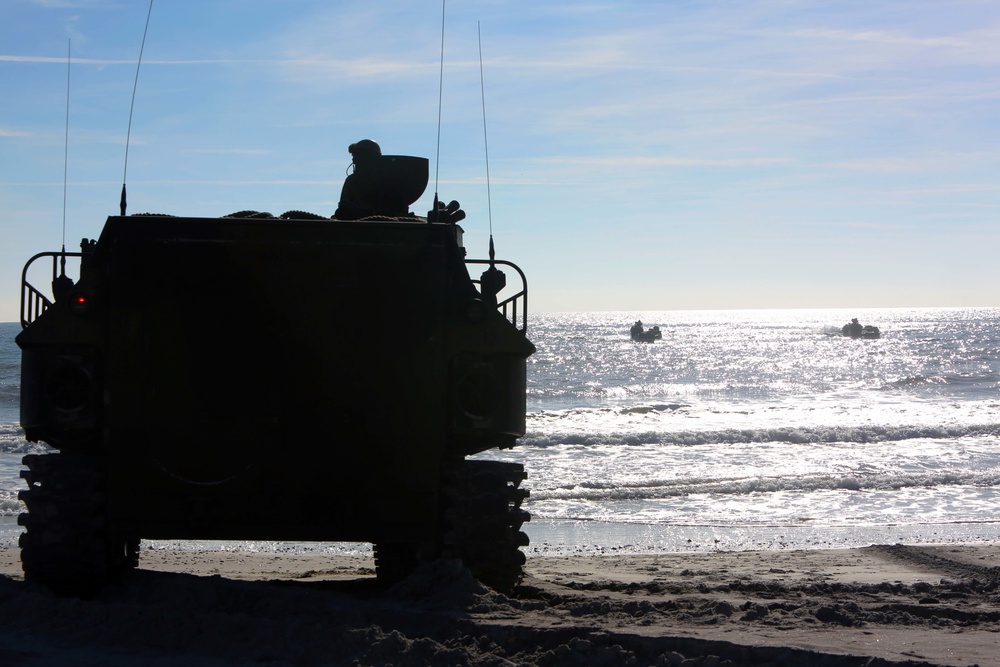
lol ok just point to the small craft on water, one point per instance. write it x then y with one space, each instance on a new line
856 330
645 335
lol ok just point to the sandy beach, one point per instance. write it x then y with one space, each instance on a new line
877 605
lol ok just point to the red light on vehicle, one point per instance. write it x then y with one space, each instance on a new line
79 304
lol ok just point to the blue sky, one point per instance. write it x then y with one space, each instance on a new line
644 155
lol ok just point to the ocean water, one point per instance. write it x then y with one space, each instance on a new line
737 430
764 429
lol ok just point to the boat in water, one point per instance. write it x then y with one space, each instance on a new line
639 333
855 329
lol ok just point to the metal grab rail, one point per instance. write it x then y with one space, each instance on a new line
509 306
34 302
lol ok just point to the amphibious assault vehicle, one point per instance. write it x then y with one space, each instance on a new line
290 378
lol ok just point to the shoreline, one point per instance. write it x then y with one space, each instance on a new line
556 537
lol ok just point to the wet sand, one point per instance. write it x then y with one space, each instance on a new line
877 605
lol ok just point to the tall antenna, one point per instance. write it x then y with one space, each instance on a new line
492 280
437 156
135 85
486 143
62 283
69 44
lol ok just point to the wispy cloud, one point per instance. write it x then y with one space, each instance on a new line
926 162
333 68
70 4
104 61
199 182
874 37
958 188
304 67
632 161
13 133
228 151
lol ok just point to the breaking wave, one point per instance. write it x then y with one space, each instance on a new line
799 435
672 488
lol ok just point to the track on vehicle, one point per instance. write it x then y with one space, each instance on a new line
481 526
68 544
